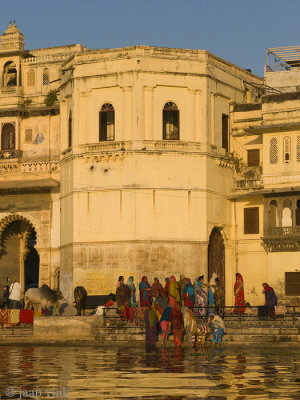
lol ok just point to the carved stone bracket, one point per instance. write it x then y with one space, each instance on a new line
224 163
93 158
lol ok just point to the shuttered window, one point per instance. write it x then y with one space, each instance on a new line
251 220
292 283
225 120
253 158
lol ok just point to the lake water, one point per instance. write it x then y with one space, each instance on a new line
134 373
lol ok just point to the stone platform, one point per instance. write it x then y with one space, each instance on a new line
98 331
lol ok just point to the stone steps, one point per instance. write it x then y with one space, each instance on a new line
16 334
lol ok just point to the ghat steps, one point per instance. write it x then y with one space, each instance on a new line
94 330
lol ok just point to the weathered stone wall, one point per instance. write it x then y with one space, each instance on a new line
97 266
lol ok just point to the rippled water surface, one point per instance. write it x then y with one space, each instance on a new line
134 373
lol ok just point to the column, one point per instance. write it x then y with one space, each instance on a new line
148 113
192 123
197 137
127 113
211 138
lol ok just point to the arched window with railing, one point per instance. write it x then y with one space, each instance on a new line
9 77
273 155
287 213
107 123
8 137
287 149
273 220
170 121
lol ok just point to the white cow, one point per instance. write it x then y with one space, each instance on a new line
42 297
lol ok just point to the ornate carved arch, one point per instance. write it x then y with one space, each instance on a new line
216 254
10 219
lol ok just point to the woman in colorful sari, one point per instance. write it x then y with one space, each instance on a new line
217 329
210 294
188 294
181 285
122 297
145 292
151 326
166 288
200 292
177 324
165 324
239 294
270 300
219 296
131 286
174 296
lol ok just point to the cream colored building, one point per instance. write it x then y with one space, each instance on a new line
266 199
131 172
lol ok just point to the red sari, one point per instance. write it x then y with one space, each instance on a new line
239 294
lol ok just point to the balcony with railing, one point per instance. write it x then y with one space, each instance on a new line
9 154
282 231
281 238
250 178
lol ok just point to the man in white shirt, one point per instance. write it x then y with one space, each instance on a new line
15 292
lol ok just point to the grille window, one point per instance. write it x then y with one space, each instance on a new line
30 77
46 76
298 148
287 146
273 151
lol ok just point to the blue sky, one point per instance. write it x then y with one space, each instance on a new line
236 30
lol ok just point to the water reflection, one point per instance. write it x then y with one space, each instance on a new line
146 374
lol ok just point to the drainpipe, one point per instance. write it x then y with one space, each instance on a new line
236 255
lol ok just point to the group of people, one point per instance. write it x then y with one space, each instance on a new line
170 307
182 306
270 298
11 295
207 297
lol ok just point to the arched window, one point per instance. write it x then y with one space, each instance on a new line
287 150
287 213
170 121
30 77
46 76
70 130
298 213
273 151
273 214
9 74
8 137
107 122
